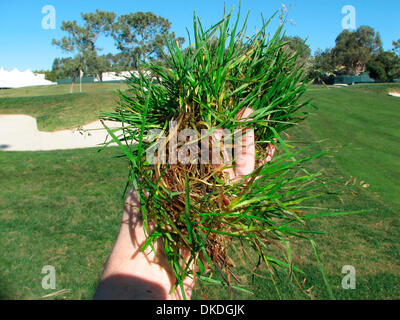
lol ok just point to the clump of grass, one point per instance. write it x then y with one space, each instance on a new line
194 206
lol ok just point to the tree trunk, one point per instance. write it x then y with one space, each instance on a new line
72 83
71 90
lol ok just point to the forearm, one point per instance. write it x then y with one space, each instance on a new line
132 274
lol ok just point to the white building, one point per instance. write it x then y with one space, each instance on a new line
118 76
114 76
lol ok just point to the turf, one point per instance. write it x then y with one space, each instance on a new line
63 208
60 209
55 108
363 124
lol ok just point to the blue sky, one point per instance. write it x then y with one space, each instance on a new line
24 44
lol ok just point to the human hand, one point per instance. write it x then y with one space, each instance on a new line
245 161
132 274
135 275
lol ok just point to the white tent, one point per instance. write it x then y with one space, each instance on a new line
18 79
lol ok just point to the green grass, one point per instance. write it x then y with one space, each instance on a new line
363 123
60 209
55 108
63 208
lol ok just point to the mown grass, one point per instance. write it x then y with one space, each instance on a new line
63 208
363 124
55 108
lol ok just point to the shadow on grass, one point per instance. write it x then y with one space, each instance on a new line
5 293
124 287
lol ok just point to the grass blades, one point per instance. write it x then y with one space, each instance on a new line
193 206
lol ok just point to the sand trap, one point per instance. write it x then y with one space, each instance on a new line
339 85
394 94
20 133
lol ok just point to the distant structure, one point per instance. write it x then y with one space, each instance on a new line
332 79
113 76
19 79
119 76
361 78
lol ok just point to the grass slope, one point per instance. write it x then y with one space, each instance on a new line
363 123
55 108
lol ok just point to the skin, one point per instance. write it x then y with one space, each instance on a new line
133 275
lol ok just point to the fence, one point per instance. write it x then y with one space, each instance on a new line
363 78
69 80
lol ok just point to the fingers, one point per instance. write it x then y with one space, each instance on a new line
245 152
150 264
132 198
218 147
271 150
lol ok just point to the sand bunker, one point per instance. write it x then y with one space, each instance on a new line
20 133
394 94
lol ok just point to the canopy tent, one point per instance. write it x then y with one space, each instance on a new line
18 79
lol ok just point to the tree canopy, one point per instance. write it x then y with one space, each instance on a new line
297 46
396 47
141 36
138 36
353 49
384 67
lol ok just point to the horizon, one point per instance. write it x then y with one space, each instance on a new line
27 46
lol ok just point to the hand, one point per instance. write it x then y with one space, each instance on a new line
246 160
134 275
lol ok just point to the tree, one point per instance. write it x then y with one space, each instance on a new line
49 74
384 67
323 66
324 61
96 24
396 47
118 62
81 40
140 36
68 67
353 49
296 45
